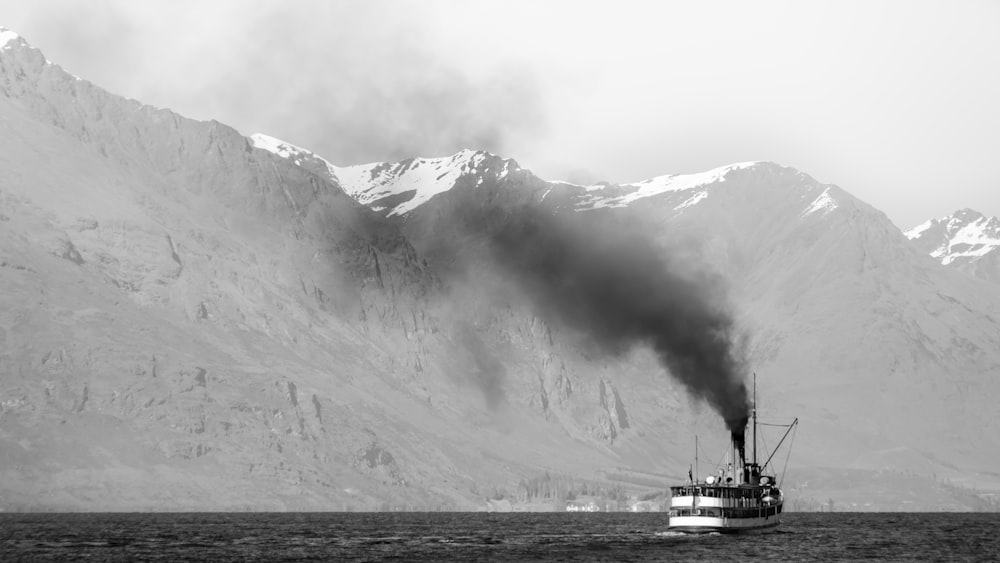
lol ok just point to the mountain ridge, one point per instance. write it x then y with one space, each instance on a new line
362 181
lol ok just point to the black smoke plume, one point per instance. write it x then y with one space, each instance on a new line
738 433
619 290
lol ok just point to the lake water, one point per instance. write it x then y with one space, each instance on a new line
488 537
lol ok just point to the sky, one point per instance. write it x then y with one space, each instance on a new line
897 102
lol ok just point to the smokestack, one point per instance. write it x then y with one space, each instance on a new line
596 276
738 431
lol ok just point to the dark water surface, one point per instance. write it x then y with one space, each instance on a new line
488 537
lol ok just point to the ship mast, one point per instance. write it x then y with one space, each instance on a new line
755 418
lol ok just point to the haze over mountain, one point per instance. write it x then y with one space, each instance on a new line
195 319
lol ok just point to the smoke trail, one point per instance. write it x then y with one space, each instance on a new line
619 290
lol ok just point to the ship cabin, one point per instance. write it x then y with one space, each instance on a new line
755 497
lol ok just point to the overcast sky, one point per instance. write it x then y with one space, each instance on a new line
898 102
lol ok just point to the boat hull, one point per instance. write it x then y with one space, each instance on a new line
707 525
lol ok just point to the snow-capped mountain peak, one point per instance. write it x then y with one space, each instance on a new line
423 177
919 230
6 37
277 146
298 155
13 42
966 236
384 186
621 195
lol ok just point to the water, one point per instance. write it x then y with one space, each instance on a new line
487 537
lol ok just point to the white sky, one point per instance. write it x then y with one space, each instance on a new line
898 102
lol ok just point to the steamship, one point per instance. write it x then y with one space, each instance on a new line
741 499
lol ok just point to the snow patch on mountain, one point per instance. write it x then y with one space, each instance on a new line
10 39
969 241
965 236
425 177
277 146
920 229
287 150
6 36
298 155
660 185
824 203
693 200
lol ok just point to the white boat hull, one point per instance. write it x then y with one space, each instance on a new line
709 524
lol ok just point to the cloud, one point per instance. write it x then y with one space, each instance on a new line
353 81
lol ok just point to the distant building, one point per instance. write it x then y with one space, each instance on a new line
589 507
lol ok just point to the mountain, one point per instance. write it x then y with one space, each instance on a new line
182 313
965 240
193 319
847 320
192 322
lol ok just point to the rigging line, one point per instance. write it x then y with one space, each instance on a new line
697 448
720 464
722 459
773 424
699 452
789 454
767 451
776 448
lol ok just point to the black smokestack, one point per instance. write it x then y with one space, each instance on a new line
619 290
738 433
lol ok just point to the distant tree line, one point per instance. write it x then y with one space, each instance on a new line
559 489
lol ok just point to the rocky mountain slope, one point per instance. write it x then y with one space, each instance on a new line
171 307
847 320
192 322
965 240
194 319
